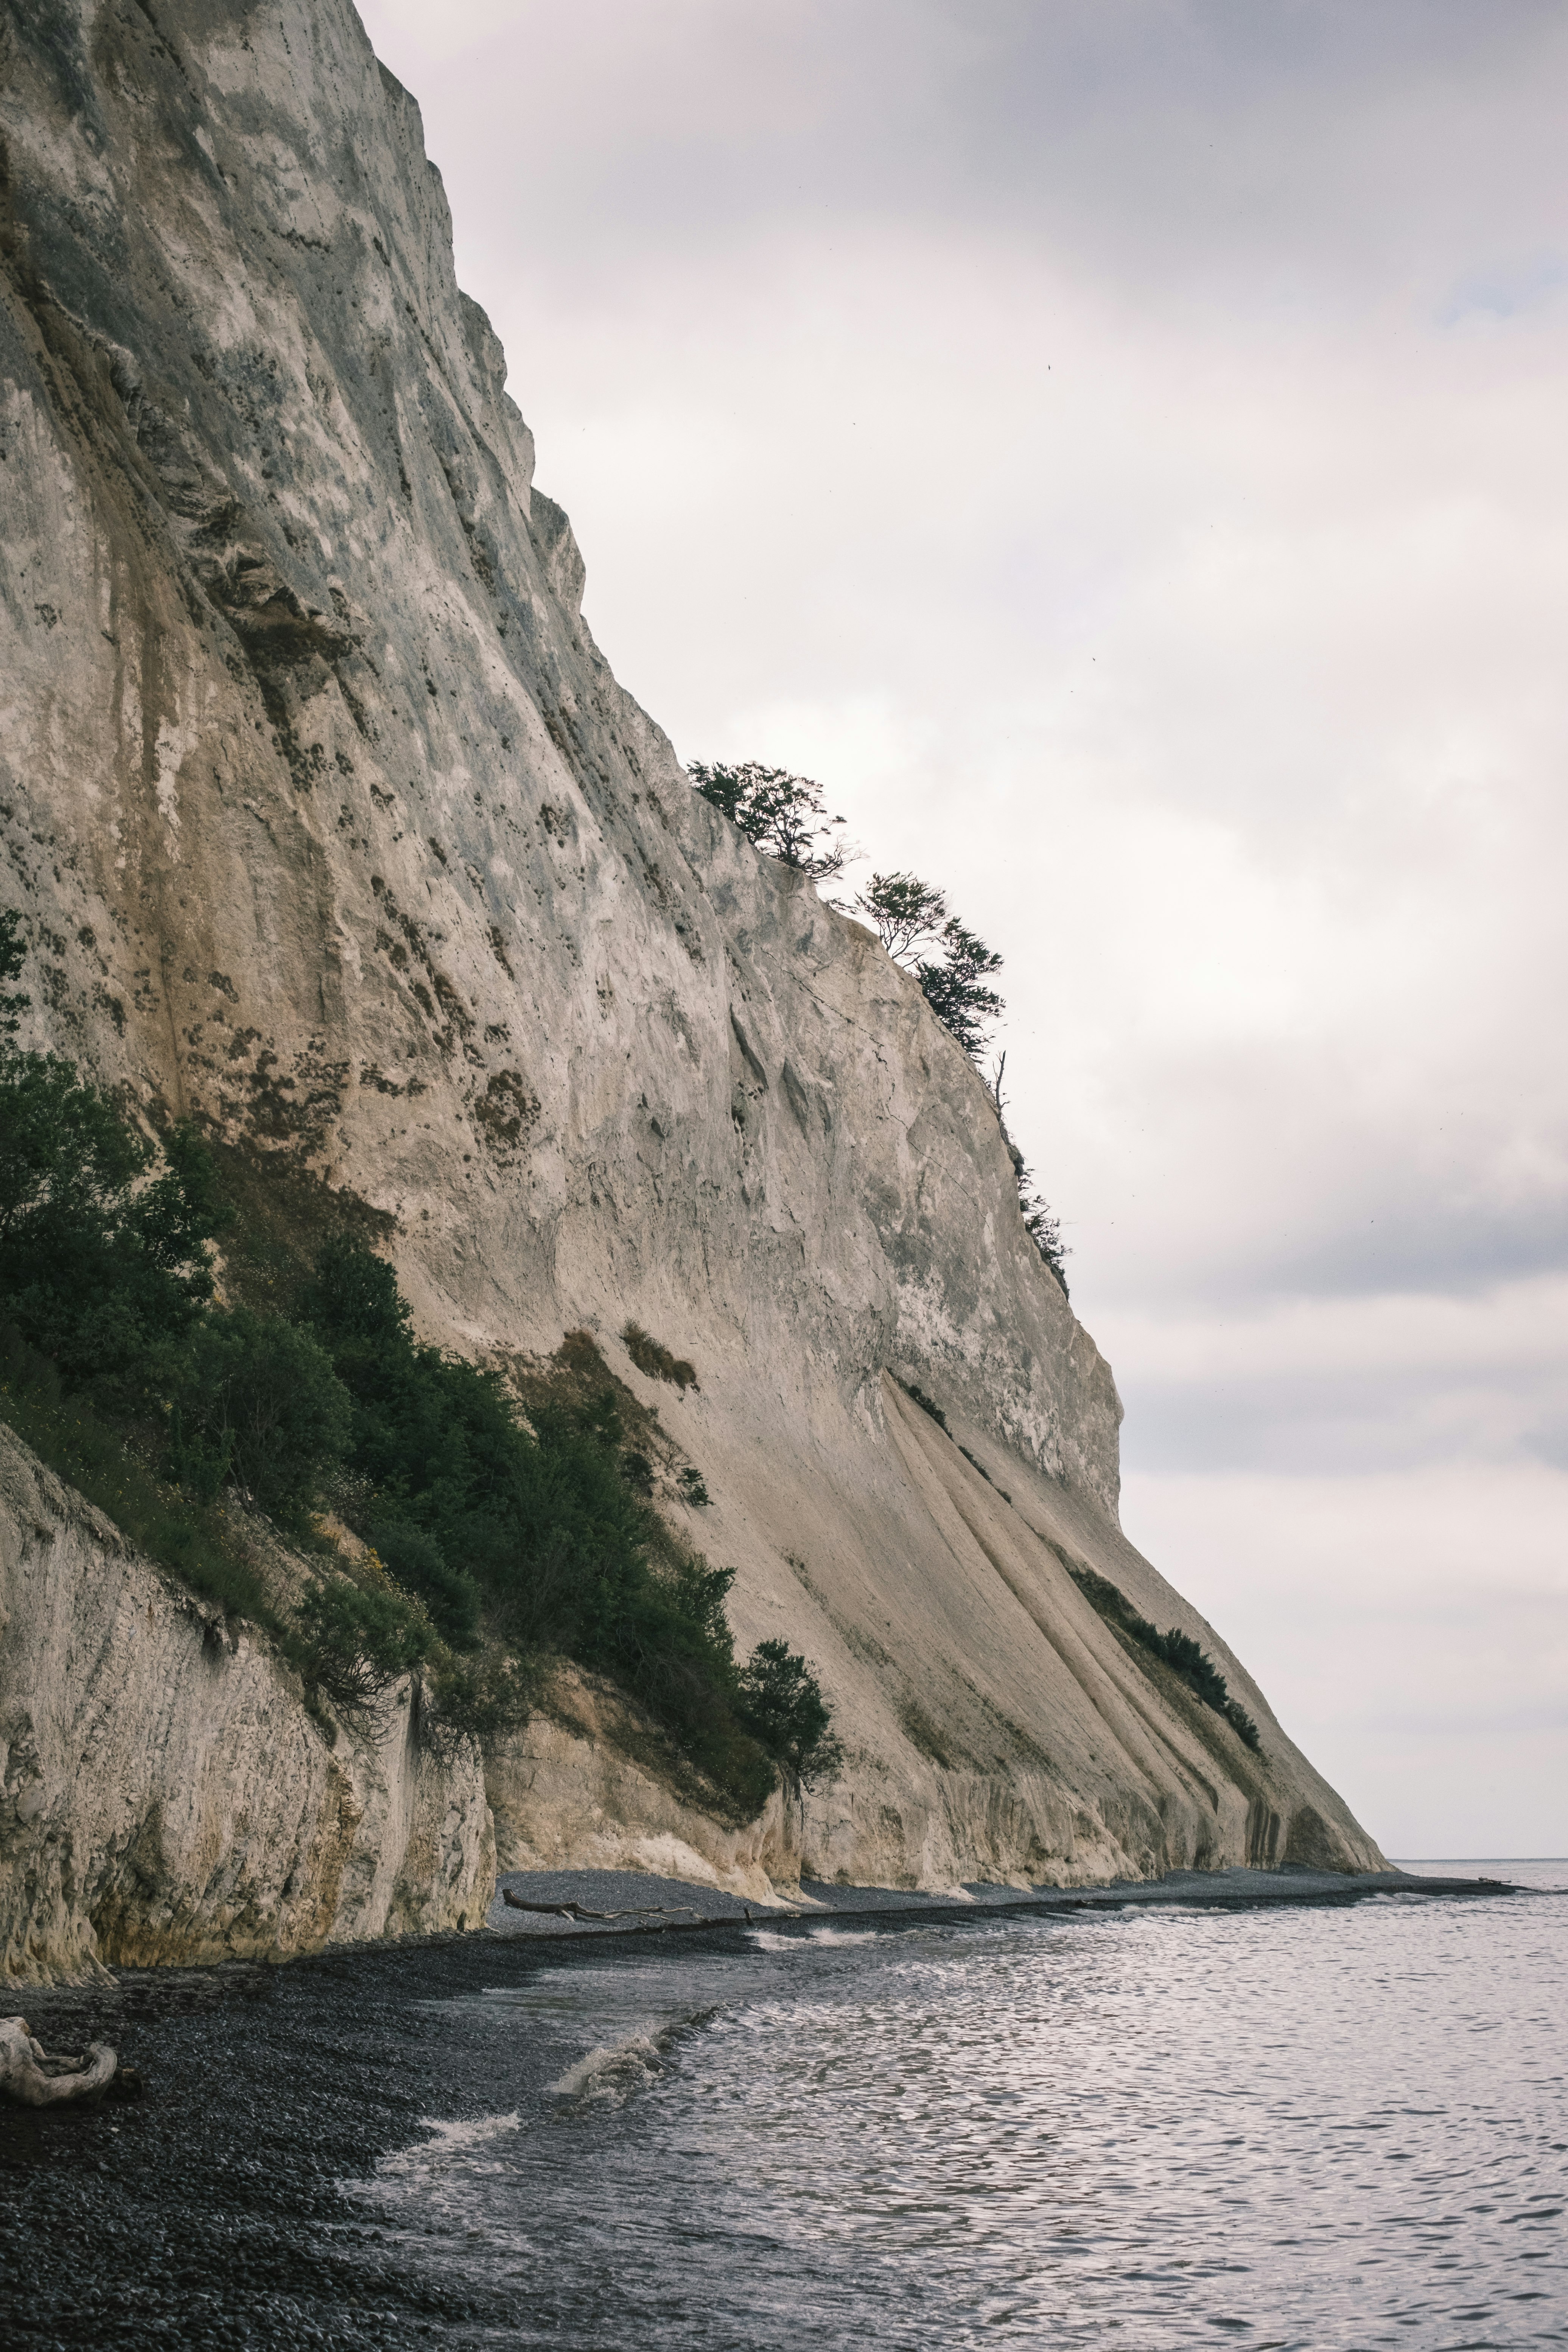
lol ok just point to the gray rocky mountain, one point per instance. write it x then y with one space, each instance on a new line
331 826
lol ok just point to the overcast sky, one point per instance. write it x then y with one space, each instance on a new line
1118 448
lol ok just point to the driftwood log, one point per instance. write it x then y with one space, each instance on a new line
30 2076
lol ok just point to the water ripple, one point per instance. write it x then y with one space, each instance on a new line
1337 2129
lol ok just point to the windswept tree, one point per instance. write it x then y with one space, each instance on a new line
953 966
783 814
1043 1226
955 988
906 914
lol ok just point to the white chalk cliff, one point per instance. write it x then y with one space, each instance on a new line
330 825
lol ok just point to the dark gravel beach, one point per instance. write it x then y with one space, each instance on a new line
209 2212
624 1902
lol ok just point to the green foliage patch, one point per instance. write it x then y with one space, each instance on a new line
781 1704
360 1638
168 1409
254 1403
1185 1657
565 1553
197 1541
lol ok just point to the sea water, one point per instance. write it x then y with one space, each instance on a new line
1335 2127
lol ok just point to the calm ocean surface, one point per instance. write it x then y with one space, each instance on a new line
1318 2128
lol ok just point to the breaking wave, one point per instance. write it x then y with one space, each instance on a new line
450 2143
770 1939
609 2077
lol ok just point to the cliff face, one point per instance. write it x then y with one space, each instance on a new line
332 827
167 1797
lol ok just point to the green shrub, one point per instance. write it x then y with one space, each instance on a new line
1174 1648
100 1268
781 1704
104 1257
13 955
658 1628
352 1295
477 1698
694 1486
568 1558
256 1402
359 1640
414 1560
198 1544
638 1471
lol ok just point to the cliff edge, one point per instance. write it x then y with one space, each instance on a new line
331 828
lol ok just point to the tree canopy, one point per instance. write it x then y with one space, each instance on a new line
906 914
913 921
785 815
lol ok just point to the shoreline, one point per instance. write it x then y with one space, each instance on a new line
608 1904
267 2086
684 1907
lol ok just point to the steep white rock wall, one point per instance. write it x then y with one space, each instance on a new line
163 1794
331 825
570 1791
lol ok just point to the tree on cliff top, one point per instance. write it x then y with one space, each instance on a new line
783 814
913 921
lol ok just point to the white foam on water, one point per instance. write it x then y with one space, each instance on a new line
436 2188
769 1939
608 2077
612 2075
451 2144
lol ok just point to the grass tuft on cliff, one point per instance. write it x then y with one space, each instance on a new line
656 1361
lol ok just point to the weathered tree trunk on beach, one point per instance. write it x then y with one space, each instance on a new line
32 2078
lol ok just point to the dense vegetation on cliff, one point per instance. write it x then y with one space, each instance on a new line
120 1364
